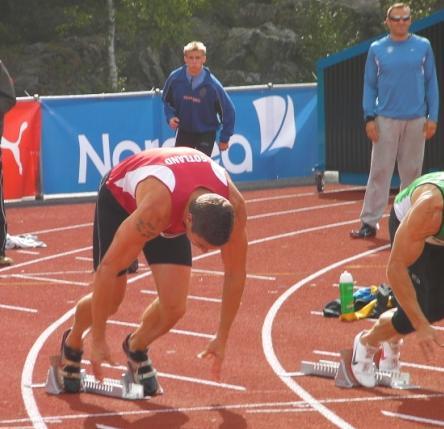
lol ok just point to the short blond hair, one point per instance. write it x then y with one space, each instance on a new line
397 6
195 46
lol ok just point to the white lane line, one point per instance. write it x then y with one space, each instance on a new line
214 272
45 258
84 258
279 197
420 366
13 307
267 339
206 408
51 273
62 228
16 427
300 232
304 194
28 369
173 331
222 273
281 411
28 252
303 209
49 280
194 297
403 363
411 418
28 398
325 353
177 377
105 427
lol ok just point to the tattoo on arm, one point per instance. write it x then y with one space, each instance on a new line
146 229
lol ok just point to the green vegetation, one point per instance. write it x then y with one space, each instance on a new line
98 45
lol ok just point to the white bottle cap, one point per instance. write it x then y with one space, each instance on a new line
346 277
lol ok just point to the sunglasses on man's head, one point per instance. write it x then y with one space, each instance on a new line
396 18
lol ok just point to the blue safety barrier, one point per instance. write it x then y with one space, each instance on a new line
84 136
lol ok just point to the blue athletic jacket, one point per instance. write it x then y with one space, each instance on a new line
201 109
400 79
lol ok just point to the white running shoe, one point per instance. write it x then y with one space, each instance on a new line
390 356
362 365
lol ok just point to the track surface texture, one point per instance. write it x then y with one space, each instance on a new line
298 246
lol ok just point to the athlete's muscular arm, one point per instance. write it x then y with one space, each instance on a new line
234 257
422 221
145 223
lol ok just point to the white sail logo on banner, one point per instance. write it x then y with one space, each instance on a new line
14 146
276 121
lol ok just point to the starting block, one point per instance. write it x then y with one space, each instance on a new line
124 388
342 373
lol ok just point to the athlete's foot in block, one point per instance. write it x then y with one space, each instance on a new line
69 369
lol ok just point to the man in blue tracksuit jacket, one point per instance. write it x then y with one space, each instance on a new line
196 104
400 102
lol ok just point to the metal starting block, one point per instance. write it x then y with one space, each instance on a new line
342 373
123 389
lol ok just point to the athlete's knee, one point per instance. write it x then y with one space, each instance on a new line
387 316
173 313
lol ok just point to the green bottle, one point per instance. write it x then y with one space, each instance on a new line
346 293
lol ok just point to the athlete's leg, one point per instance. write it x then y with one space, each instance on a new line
382 330
108 217
83 317
172 282
170 261
366 344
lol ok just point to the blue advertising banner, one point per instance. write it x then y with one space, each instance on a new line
84 136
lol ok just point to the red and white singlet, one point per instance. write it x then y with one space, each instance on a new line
181 169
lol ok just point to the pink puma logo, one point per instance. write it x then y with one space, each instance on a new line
14 146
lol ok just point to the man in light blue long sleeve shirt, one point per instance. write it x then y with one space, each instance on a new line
400 102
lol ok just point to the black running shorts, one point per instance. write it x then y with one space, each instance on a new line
109 214
427 275
200 141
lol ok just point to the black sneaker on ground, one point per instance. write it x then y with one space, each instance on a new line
142 370
5 261
366 231
69 371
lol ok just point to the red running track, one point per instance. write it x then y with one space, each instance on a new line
299 245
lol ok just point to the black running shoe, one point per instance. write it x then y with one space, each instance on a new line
141 369
69 371
366 231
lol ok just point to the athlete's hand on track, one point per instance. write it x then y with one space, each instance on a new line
215 351
99 354
428 340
